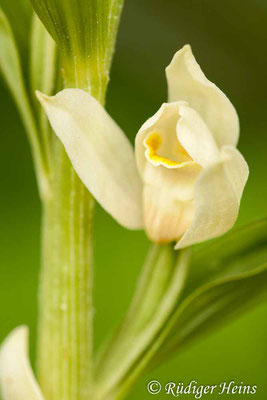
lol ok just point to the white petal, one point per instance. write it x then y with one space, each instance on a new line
186 82
196 137
17 381
99 151
168 201
218 193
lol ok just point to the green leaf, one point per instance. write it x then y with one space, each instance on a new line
217 267
210 307
238 251
44 75
19 14
207 308
10 68
222 266
225 280
85 32
43 59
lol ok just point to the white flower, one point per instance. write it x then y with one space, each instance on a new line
192 175
17 381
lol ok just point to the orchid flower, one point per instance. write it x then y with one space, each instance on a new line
17 381
186 180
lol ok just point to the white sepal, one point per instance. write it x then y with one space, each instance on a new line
99 151
218 191
186 82
17 381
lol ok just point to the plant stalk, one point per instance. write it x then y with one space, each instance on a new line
65 343
65 328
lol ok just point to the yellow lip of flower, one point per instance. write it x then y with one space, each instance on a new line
152 144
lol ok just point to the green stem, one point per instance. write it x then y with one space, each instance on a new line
65 339
65 319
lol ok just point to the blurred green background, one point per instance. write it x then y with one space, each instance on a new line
229 40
